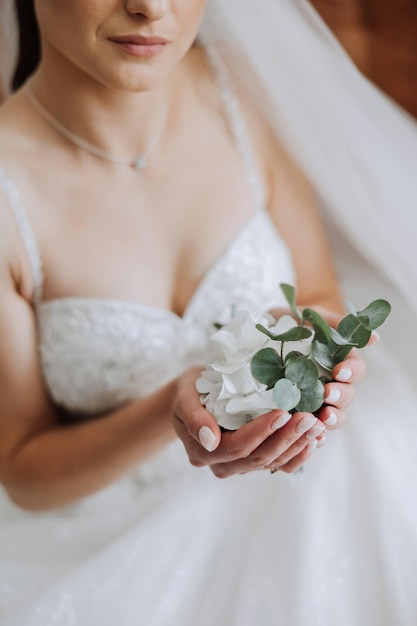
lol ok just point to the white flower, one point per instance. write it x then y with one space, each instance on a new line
227 387
236 342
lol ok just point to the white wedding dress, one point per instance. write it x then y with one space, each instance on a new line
171 545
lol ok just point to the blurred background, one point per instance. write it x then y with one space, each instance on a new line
381 37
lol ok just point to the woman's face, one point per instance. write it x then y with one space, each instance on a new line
125 44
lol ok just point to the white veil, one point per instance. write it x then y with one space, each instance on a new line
358 147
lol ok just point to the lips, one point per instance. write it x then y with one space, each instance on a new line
140 46
139 40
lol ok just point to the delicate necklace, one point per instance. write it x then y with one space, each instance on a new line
139 162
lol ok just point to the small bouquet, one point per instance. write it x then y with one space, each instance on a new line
257 365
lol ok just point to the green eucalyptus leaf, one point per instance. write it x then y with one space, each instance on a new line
267 367
364 320
286 395
321 327
321 353
352 329
339 340
341 353
266 332
376 312
311 398
289 293
294 355
302 372
298 333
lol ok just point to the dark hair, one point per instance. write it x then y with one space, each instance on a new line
29 42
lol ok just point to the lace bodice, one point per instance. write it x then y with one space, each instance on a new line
97 354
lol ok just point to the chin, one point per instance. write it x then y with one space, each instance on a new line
144 77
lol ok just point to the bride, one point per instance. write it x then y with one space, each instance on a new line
146 189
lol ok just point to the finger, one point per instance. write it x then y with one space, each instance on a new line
298 461
297 447
240 444
302 429
273 447
339 395
233 445
351 370
321 440
200 424
197 454
331 417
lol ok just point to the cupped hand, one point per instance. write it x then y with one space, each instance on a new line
340 393
273 441
276 440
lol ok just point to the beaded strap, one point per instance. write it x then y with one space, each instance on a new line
237 124
26 233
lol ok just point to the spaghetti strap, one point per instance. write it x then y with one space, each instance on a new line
26 233
237 124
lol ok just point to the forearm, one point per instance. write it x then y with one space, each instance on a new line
65 463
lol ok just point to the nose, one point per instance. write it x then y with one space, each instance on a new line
152 10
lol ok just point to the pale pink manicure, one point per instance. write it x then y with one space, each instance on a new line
305 424
345 374
314 432
207 438
331 420
311 447
333 396
281 421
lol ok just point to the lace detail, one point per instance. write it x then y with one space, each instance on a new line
97 354
26 233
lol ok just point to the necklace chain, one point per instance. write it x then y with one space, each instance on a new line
139 162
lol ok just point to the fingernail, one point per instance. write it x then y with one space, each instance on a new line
333 396
314 432
376 335
281 421
305 424
345 374
321 442
207 438
331 420
311 447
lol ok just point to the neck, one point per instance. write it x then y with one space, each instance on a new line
118 122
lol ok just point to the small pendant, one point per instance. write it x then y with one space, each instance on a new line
139 163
